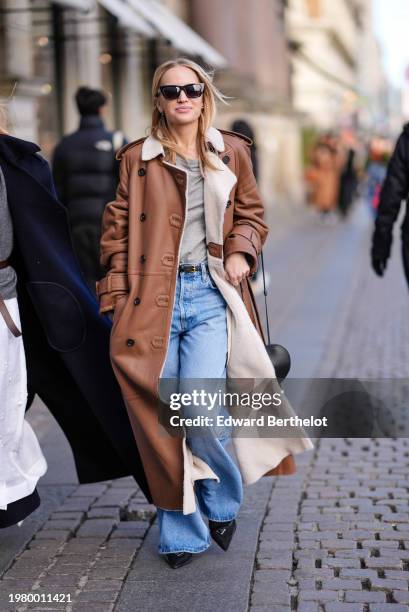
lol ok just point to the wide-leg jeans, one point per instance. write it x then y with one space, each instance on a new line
198 349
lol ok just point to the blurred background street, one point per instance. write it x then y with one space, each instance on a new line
310 81
295 69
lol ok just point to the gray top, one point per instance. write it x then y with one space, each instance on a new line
8 278
193 247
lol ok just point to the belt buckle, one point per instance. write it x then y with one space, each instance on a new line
189 268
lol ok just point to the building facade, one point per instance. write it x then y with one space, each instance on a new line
253 38
48 49
337 77
285 64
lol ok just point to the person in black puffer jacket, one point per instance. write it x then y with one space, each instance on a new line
86 177
395 189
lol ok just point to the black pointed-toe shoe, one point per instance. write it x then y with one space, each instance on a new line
222 533
176 560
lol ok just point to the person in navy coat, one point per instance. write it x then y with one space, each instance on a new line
66 341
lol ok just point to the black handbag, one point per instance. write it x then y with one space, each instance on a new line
280 357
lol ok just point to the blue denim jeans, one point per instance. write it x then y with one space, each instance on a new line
198 349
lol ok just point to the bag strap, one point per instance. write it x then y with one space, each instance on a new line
265 296
4 310
8 320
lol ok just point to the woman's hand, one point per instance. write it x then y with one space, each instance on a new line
236 268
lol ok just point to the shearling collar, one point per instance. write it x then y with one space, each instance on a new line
152 147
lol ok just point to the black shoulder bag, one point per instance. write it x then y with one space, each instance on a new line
278 354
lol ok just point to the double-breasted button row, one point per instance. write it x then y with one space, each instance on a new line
142 216
141 171
142 258
137 301
226 159
130 342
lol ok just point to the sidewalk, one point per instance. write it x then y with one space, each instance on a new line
334 536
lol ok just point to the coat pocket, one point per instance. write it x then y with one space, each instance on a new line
60 314
144 315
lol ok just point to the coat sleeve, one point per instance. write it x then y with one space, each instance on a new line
395 189
249 230
114 245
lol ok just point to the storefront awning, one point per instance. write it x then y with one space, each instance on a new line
176 31
127 17
79 5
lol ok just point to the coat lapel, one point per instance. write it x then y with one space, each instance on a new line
217 187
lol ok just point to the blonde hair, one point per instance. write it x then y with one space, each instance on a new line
159 127
5 122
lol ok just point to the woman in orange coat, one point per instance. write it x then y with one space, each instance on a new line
323 179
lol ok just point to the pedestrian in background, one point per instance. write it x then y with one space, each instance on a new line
394 190
375 173
348 183
86 176
241 126
322 178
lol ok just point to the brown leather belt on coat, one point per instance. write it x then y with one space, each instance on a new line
4 311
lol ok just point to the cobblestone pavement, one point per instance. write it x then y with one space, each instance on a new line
334 536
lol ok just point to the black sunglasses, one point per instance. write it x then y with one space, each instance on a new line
172 92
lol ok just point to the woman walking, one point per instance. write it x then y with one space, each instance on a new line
21 461
65 357
323 179
179 244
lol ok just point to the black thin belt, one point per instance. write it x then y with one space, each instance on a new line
190 268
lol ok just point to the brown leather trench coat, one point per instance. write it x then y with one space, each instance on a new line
141 236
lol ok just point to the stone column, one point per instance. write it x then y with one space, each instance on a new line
81 60
134 89
16 68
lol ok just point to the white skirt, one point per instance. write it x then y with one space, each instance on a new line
21 461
